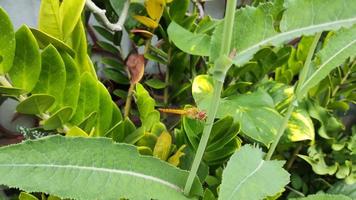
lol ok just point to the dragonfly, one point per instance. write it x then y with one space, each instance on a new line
192 112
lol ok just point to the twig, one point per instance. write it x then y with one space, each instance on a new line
200 8
118 26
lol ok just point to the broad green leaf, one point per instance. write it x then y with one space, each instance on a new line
116 75
78 43
247 176
52 79
104 32
36 104
339 47
146 107
89 98
88 123
26 68
117 6
75 131
27 196
318 163
196 44
104 112
324 197
11 91
178 9
49 20
44 39
72 86
219 156
7 42
155 8
156 83
109 47
116 128
135 136
69 13
58 119
343 188
72 162
302 17
253 111
300 127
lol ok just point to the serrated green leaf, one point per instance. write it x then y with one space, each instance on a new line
196 44
69 14
58 119
247 176
36 104
340 46
27 63
7 42
70 166
324 197
302 17
88 101
52 78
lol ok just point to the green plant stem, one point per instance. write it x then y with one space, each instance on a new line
281 129
205 137
306 68
291 107
5 82
218 85
166 89
128 100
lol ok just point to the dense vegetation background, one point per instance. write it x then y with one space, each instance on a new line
182 99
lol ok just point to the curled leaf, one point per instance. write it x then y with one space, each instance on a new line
136 66
163 146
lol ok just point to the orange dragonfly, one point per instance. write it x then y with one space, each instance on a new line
192 112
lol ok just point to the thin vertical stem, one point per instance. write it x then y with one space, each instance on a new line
214 104
281 130
291 107
128 100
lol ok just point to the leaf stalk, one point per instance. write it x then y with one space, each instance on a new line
219 76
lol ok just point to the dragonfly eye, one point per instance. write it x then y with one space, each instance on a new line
202 115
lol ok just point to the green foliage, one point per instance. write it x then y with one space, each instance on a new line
338 48
248 176
7 42
343 188
324 197
252 111
27 63
71 155
196 44
273 94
